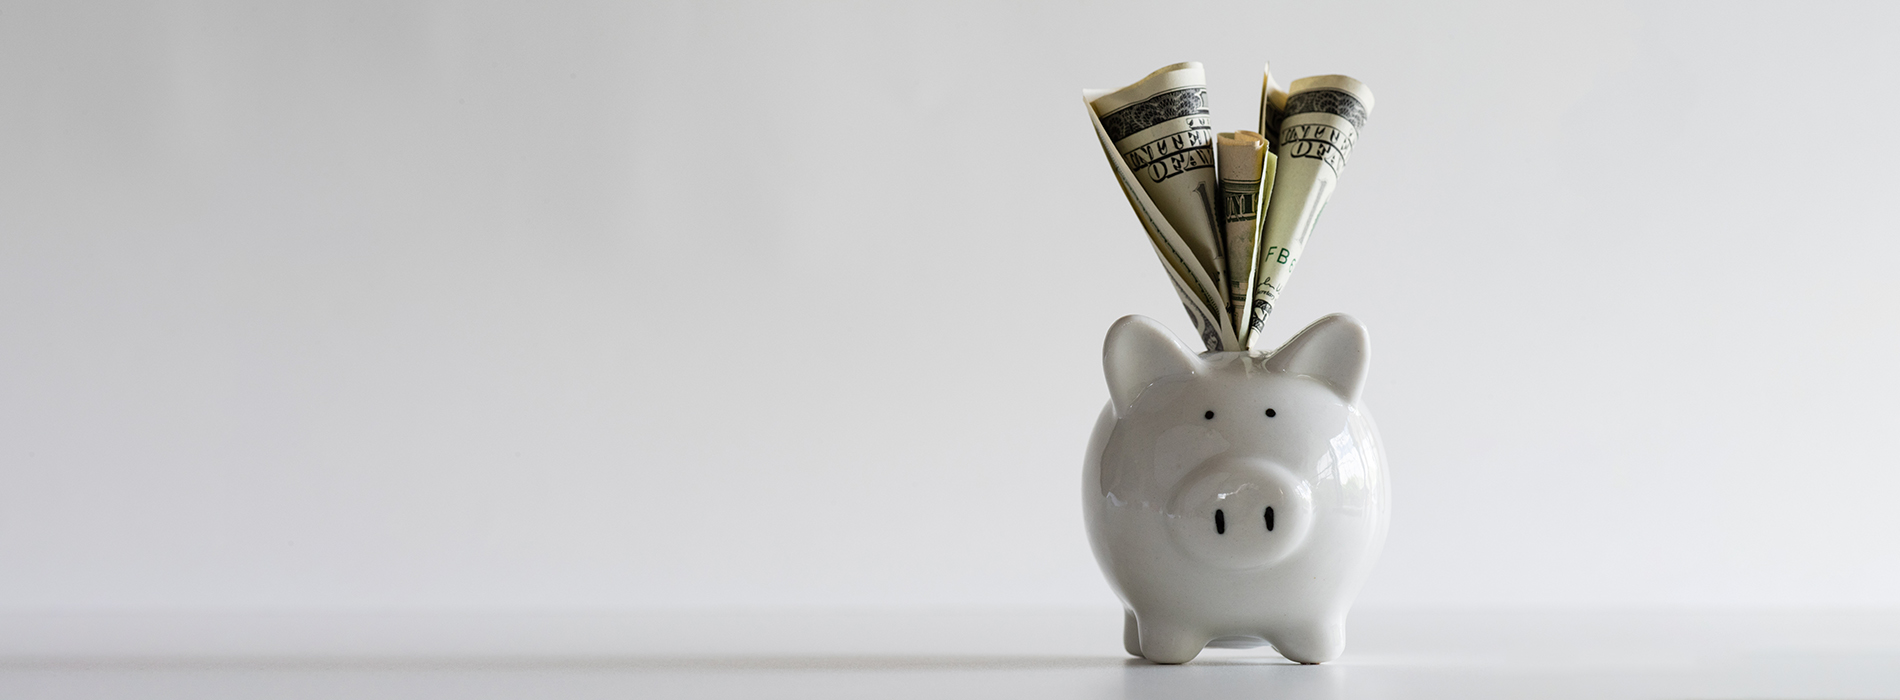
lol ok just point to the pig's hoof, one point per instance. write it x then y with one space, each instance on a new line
1169 647
1311 645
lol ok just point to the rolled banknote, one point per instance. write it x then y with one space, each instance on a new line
1318 128
1246 174
1159 126
1166 165
1272 104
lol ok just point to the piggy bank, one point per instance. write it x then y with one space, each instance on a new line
1235 499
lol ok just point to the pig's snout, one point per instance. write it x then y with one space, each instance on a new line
1240 513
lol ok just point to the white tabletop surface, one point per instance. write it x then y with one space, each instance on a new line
947 654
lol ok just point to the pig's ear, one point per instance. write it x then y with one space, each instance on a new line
1334 350
1139 351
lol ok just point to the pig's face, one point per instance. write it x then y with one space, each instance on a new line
1238 440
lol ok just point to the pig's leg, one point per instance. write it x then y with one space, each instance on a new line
1313 642
1131 633
1168 644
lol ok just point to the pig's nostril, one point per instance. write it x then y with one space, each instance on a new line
1269 518
1220 522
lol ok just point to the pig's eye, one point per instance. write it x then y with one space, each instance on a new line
1270 414
1220 521
1209 415
1269 518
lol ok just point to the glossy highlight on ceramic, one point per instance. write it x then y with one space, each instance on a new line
1236 499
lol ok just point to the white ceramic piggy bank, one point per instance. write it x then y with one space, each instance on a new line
1234 498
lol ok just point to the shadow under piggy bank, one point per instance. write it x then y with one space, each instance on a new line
1236 499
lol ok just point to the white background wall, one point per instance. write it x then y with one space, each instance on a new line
397 305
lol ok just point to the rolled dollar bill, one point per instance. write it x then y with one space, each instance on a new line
1159 126
1243 161
1190 282
1318 128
